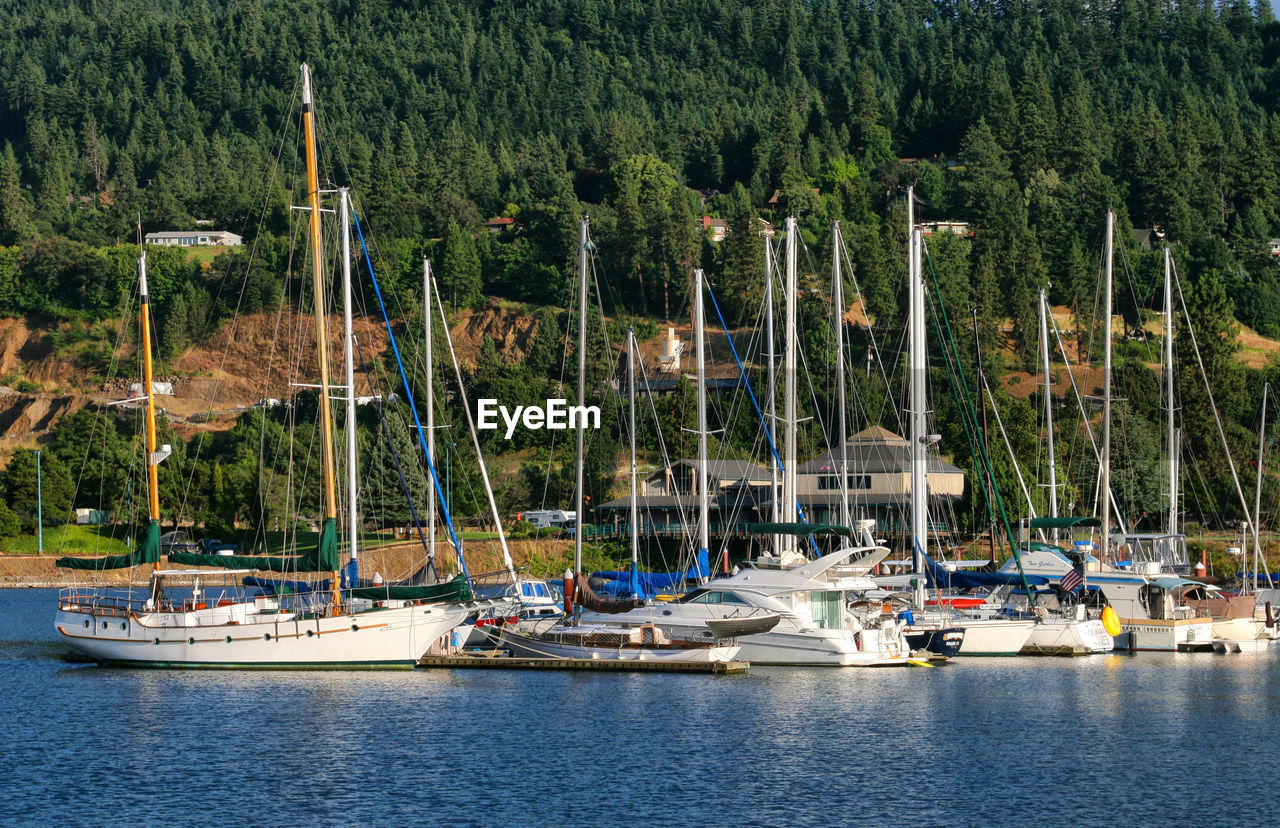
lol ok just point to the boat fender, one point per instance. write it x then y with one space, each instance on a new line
568 592
908 616
1110 622
1271 619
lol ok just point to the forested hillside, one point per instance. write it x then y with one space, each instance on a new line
1026 120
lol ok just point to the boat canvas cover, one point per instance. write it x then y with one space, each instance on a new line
939 577
1064 522
455 590
277 586
147 551
324 558
652 583
589 600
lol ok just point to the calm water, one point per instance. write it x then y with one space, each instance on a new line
1108 740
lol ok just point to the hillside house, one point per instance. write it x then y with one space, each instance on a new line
194 238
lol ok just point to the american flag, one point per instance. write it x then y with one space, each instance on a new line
1071 581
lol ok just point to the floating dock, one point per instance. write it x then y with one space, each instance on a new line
487 662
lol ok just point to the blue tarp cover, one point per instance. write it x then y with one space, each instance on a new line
650 583
940 577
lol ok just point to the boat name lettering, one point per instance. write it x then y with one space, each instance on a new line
556 415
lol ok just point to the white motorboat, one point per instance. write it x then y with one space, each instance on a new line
823 615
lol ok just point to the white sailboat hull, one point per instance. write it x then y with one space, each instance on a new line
237 637
991 636
1068 636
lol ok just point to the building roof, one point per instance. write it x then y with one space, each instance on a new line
178 234
722 469
878 434
875 457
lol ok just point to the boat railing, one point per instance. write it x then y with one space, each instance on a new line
77 599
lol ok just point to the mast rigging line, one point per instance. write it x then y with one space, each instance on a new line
938 311
395 458
475 439
395 348
754 402
1213 406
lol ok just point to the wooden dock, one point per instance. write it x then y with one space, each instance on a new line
488 662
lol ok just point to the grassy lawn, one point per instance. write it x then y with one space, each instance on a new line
70 540
477 535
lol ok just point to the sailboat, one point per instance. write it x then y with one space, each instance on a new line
1072 627
572 636
985 631
505 595
197 618
1154 606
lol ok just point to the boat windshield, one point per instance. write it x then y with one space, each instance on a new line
711 596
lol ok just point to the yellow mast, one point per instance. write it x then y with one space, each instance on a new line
153 479
322 339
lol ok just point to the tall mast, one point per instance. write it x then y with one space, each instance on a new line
789 514
704 501
919 432
582 400
1172 433
153 456
631 418
1257 492
430 402
327 534
348 364
775 507
1048 407
837 284
1104 485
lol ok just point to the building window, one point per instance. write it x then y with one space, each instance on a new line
831 482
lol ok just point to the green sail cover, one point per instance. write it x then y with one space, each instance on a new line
146 552
455 590
323 559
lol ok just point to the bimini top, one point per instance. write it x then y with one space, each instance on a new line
1065 522
1170 582
799 529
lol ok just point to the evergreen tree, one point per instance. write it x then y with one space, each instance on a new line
460 282
15 211
21 489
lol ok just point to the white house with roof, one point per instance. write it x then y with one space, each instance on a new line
194 238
